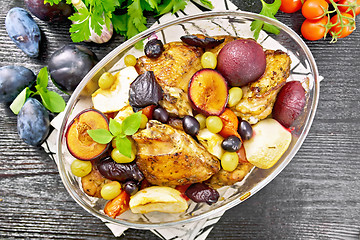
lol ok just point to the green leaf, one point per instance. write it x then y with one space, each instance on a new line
271 28
80 29
19 101
43 78
268 10
51 100
51 2
100 135
207 3
115 127
131 124
178 5
120 23
123 144
166 7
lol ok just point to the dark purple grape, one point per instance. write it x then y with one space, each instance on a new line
13 79
130 187
200 192
231 144
245 130
154 48
191 125
23 30
119 171
145 91
69 65
33 122
161 115
45 12
205 42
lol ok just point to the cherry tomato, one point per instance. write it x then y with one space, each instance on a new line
350 4
290 6
345 31
314 29
314 9
328 1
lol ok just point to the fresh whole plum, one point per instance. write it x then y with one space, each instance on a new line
289 103
69 65
241 61
13 79
45 12
33 122
23 30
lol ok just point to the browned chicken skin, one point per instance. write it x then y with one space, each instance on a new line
259 96
93 182
170 157
173 71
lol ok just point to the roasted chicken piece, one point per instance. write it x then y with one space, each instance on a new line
169 157
225 178
259 96
173 71
93 182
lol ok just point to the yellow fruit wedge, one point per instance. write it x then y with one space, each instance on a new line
269 142
160 199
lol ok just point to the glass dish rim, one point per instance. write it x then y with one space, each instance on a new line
114 53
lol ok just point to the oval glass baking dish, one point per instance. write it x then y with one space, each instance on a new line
235 23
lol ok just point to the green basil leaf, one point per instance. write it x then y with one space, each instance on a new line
271 28
51 100
124 146
19 101
100 135
43 78
131 124
115 127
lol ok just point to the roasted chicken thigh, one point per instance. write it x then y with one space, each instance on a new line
173 71
169 157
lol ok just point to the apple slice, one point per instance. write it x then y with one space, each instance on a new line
78 141
160 199
269 142
208 92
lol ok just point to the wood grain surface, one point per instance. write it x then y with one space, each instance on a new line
317 196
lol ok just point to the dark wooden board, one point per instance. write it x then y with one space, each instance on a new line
316 196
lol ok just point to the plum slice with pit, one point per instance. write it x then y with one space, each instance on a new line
78 141
208 92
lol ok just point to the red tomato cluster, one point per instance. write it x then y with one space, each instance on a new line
336 17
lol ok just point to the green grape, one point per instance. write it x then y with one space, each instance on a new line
106 80
130 60
229 161
202 120
235 95
144 120
110 190
214 124
208 60
80 168
118 157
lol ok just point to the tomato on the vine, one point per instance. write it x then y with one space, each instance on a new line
349 3
314 29
338 31
290 6
314 9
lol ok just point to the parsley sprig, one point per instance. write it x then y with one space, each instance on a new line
50 99
119 132
268 10
128 21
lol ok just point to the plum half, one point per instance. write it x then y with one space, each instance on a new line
208 92
289 103
241 62
78 141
